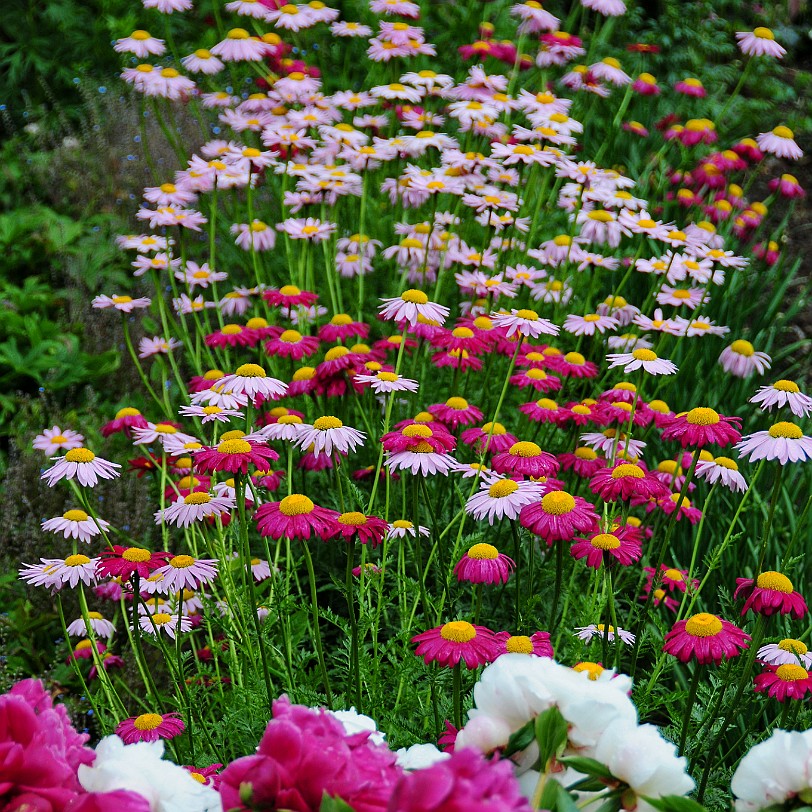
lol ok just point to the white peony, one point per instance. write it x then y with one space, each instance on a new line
774 771
420 756
642 758
140 768
354 722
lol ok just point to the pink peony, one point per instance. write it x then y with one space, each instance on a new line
303 754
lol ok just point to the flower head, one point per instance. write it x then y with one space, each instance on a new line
700 427
455 641
769 594
295 517
705 638
82 464
484 564
149 727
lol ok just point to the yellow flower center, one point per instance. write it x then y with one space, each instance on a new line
592 669
414 296
296 504
703 625
458 631
341 319
787 430
774 581
197 499
605 541
388 377
742 347
169 73
291 337
519 645
763 33
527 315
525 449
505 487
793 646
237 33
182 562
75 515
646 223
626 469
585 453
76 560
234 446
644 355
702 416
483 552
136 555
494 429
121 299
335 353
791 673
786 386
79 455
353 519
726 462
783 132
231 330
148 721
557 503
141 35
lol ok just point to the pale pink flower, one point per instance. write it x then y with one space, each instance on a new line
425 463
186 572
82 464
124 304
589 324
76 524
202 61
99 626
140 43
148 347
350 29
194 507
599 631
252 380
328 434
383 383
783 393
724 470
158 622
534 18
209 414
168 6
741 360
239 46
609 70
292 17
200 276
411 304
248 8
254 236
58 572
780 142
402 8
307 229
56 439
502 497
784 442
524 322
690 297
158 433
759 42
643 359
609 8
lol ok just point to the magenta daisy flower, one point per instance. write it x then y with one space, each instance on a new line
124 420
411 304
341 327
559 516
456 412
124 562
292 344
289 296
502 498
82 464
784 442
702 426
56 439
769 594
484 564
235 455
492 437
527 323
526 459
624 481
537 644
543 410
784 393
784 682
150 727
328 434
367 529
76 524
584 461
455 641
786 652
536 378
295 517
600 548
186 572
644 359
705 638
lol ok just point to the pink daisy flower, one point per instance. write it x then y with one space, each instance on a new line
702 426
787 186
536 378
309 228
643 359
769 594
493 437
55 439
409 306
98 625
292 344
589 324
125 419
124 304
784 393
502 498
76 524
457 641
525 459
384 382
421 459
484 564
741 360
252 380
599 630
559 516
584 461
601 548
609 8
624 481
759 42
239 46
543 410
186 572
780 142
235 455
202 61
784 442
537 644
705 638
150 727
328 434
140 43
367 529
341 327
721 469
194 507
786 652
295 517
82 464
124 562
527 323
58 572
784 682
455 412
289 296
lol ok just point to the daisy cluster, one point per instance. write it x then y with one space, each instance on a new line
419 317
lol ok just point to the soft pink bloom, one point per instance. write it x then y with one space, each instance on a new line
600 548
239 46
721 469
82 464
780 142
193 508
784 442
498 498
784 393
150 727
140 43
702 426
76 524
624 481
759 42
410 305
741 360
55 439
235 456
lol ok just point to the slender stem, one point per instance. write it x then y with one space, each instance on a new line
314 606
689 706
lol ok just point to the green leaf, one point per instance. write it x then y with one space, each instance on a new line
329 804
675 803
588 766
551 734
520 740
